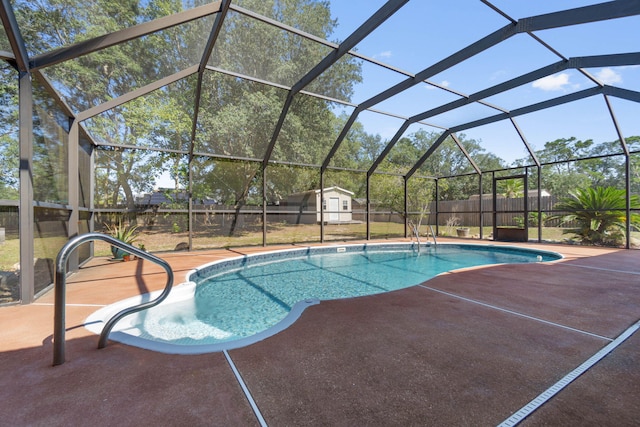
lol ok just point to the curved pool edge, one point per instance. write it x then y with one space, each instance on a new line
273 255
95 322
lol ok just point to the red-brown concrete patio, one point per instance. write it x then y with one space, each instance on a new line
467 348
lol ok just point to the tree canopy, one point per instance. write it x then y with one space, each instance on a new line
235 122
9 156
572 163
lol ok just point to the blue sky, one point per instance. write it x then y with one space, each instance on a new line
424 32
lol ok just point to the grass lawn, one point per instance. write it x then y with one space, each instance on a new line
162 241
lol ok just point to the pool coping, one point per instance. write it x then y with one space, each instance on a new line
209 269
127 382
95 322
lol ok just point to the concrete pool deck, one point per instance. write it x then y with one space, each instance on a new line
466 348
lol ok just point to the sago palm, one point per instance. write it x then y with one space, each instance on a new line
512 188
600 213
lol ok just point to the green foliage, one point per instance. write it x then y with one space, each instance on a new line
533 219
359 149
387 192
511 188
237 116
566 172
600 213
420 194
125 233
159 120
50 148
448 160
9 155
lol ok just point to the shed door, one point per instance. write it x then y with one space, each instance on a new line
334 209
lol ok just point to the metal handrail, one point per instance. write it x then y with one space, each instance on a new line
417 234
60 290
435 241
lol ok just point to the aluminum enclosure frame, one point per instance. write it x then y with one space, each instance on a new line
28 68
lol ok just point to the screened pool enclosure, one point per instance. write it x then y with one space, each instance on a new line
251 122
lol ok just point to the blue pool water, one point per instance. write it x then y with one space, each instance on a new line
233 303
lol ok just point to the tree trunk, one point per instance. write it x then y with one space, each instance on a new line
241 201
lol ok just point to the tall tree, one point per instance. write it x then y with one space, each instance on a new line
9 156
95 78
238 116
604 164
449 161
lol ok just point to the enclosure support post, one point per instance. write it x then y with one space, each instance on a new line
368 208
627 171
72 179
526 203
92 197
406 210
494 208
539 204
264 204
480 206
321 206
190 207
437 211
26 215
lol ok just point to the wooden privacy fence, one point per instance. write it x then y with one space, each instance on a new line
451 212
511 211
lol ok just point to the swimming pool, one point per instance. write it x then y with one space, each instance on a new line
242 300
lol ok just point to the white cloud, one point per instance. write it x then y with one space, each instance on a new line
443 83
498 75
608 76
555 82
385 54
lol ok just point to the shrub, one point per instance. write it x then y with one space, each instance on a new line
126 234
533 219
600 213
